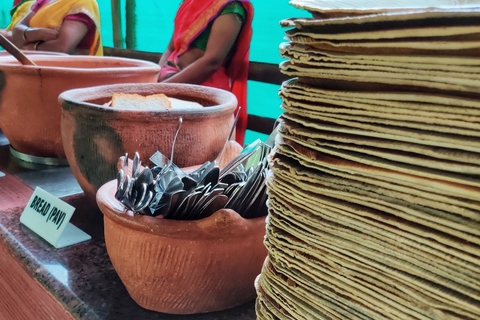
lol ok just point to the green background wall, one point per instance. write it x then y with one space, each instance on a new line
154 29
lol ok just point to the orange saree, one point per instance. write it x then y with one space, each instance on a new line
192 18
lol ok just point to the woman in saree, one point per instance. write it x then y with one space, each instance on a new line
210 46
19 10
70 26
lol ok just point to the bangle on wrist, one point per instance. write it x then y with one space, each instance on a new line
24 35
36 45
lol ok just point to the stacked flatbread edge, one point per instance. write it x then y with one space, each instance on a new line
374 187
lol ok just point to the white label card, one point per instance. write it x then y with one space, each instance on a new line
49 217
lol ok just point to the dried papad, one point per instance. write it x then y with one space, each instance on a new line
326 290
432 70
319 161
434 48
308 74
360 266
375 238
266 311
382 15
288 270
460 129
389 153
336 264
343 170
440 221
471 183
450 249
436 139
316 111
326 104
268 304
362 284
350 91
285 301
400 71
384 236
362 247
455 217
264 303
304 308
323 103
302 52
388 84
373 33
352 8
323 307
338 134
455 160
464 45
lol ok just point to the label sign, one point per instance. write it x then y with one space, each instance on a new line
49 217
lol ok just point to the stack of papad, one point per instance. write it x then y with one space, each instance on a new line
374 187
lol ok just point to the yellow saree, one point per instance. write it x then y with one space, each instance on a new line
20 12
52 14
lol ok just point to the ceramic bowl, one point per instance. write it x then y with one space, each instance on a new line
30 114
95 136
183 267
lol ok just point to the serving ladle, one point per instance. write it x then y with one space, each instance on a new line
15 51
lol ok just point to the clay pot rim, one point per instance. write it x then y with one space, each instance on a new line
76 99
223 224
136 64
35 52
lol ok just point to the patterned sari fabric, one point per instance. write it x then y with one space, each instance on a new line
192 18
52 15
19 11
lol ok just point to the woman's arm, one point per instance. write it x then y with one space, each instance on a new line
6 33
167 53
22 34
70 34
224 33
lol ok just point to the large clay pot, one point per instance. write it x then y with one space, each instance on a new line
30 114
95 136
183 267
30 52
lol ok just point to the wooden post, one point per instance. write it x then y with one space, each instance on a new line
118 39
131 23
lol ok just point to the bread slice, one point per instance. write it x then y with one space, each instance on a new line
151 102
184 104
139 102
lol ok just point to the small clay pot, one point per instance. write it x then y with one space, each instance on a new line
95 136
183 267
30 114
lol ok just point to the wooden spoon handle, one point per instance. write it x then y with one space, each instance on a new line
14 51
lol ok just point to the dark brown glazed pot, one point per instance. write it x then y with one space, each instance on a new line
183 267
95 136
30 114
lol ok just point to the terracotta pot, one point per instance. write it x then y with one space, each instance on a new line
30 114
95 136
29 52
183 267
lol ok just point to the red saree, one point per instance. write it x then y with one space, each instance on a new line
192 18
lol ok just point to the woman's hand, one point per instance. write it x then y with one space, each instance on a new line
70 34
224 33
40 34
